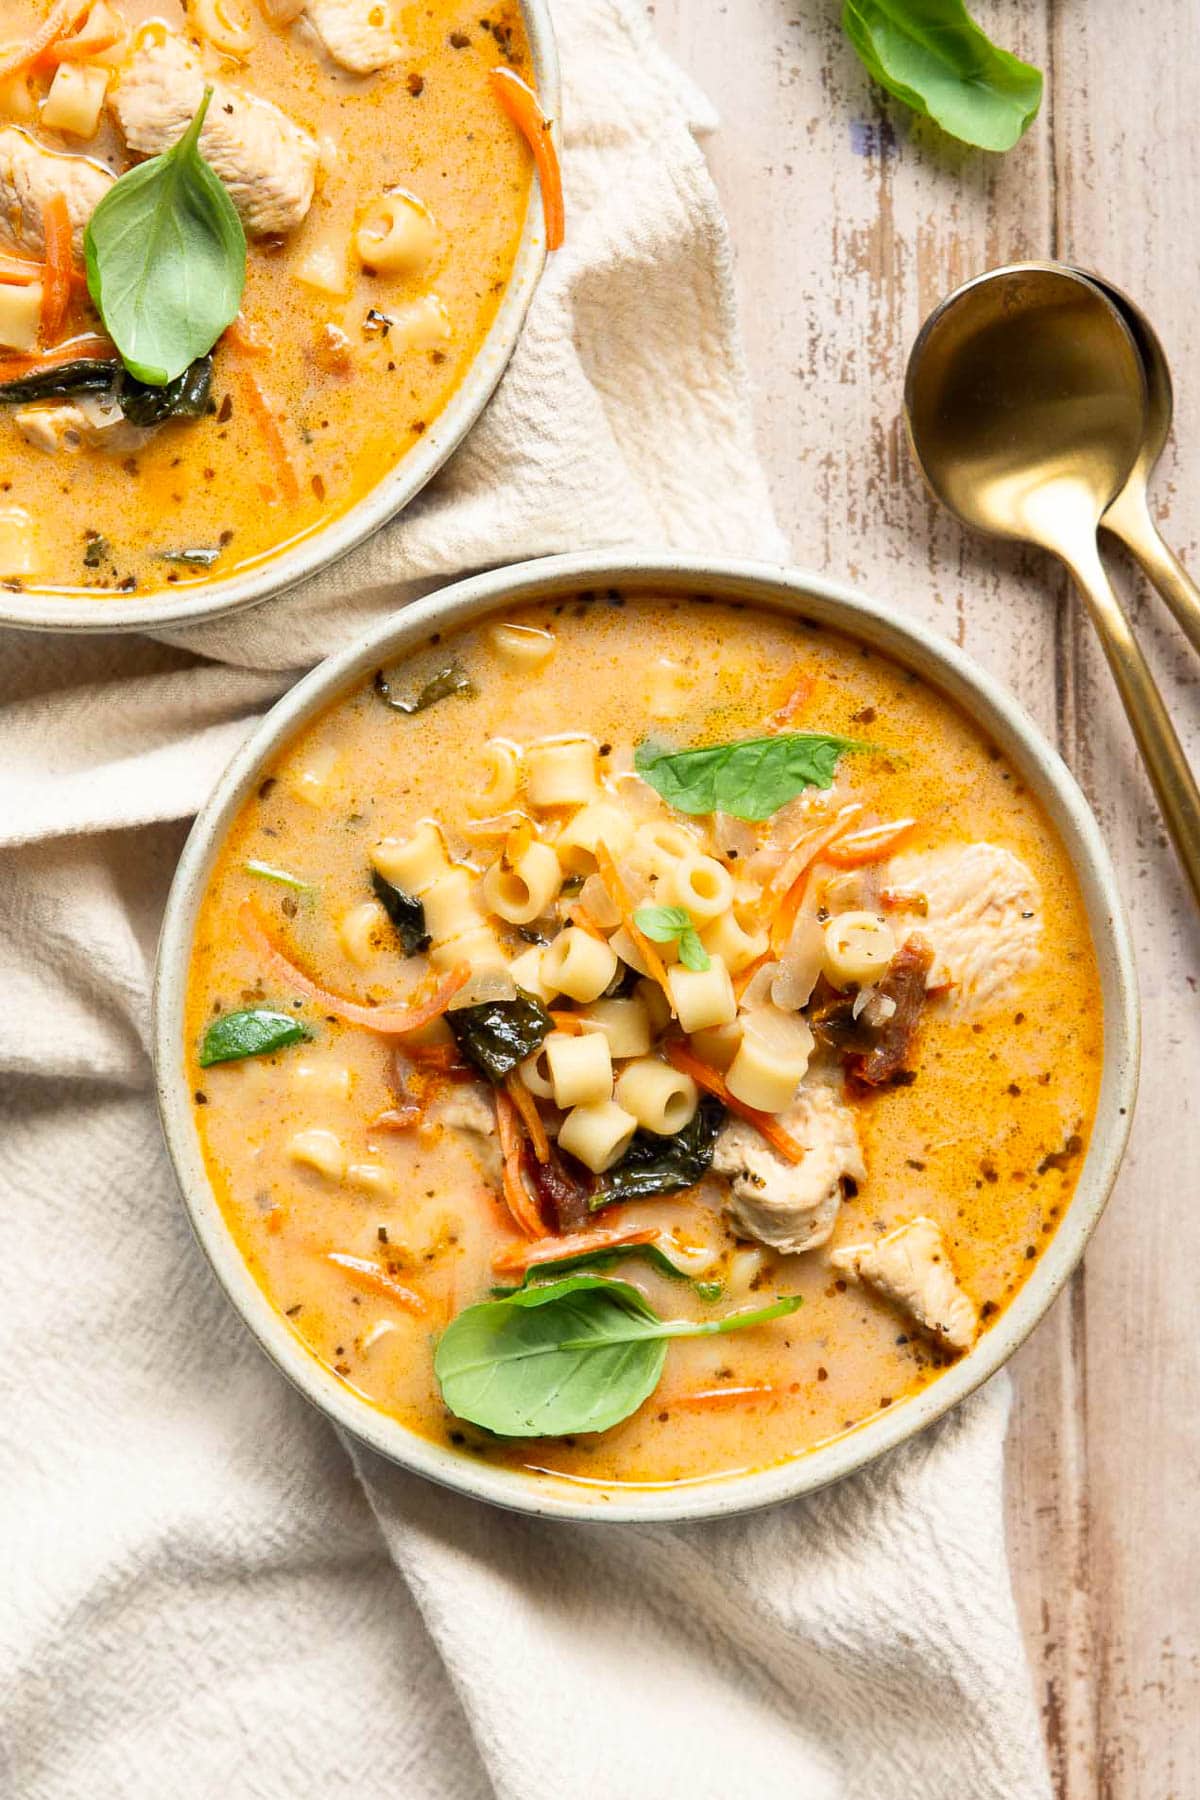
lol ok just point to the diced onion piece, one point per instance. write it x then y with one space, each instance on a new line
397 234
858 948
324 265
17 102
423 324
522 646
75 100
598 903
795 976
489 981
319 1149
598 1134
702 997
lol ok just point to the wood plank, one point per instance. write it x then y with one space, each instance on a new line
850 221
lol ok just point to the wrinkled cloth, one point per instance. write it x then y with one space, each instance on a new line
205 1590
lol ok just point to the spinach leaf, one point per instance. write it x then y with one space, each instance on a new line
672 924
933 56
184 398
62 382
579 1354
496 1035
406 913
658 1165
751 779
606 1259
255 1032
197 558
166 260
453 679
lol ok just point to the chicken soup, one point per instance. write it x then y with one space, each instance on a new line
641 1039
248 250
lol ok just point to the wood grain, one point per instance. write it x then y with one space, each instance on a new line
851 219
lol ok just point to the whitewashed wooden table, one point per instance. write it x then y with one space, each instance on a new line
851 219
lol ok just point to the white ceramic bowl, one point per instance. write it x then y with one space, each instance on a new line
790 591
275 575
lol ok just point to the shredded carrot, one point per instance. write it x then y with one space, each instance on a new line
244 336
58 23
390 1020
577 914
17 272
531 1118
368 1275
521 104
742 980
795 871
720 1396
515 1258
498 826
397 1118
56 292
516 1195
85 43
894 899
619 894
568 1021
273 437
688 1063
874 844
795 703
81 349
435 1056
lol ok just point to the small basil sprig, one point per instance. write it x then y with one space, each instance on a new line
606 1258
933 56
576 1355
255 1032
166 260
750 779
670 925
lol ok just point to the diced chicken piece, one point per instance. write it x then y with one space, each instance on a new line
358 34
30 176
792 1206
268 164
983 918
68 425
911 1267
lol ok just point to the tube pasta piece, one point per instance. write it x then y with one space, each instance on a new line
412 863
578 965
526 889
598 1135
662 1099
561 772
736 947
359 931
858 948
535 1073
655 1003
659 845
475 951
363 1273
398 235
21 315
701 885
522 646
502 774
373 1179
625 1024
76 99
217 21
622 944
319 1149
679 1053
718 1045
526 971
601 821
771 1060
702 998
580 1067
451 906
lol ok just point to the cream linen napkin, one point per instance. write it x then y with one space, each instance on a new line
203 1592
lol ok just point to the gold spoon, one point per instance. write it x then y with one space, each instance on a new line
1128 517
1026 410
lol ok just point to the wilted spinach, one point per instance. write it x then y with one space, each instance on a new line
658 1165
405 911
496 1035
453 679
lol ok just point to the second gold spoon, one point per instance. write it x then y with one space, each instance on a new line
1026 406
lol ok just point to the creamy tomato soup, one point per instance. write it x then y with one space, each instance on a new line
380 186
624 964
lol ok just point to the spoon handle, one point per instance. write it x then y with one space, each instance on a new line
1171 778
1129 519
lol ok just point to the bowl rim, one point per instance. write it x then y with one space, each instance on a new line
799 594
318 550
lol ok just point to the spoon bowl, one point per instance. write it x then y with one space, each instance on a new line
1027 410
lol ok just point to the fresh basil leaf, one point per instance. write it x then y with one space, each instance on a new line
255 1032
496 1035
663 1165
579 1354
453 679
671 924
405 911
281 877
933 56
607 1258
62 382
692 953
166 260
184 398
750 779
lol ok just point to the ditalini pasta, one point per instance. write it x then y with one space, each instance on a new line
501 977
